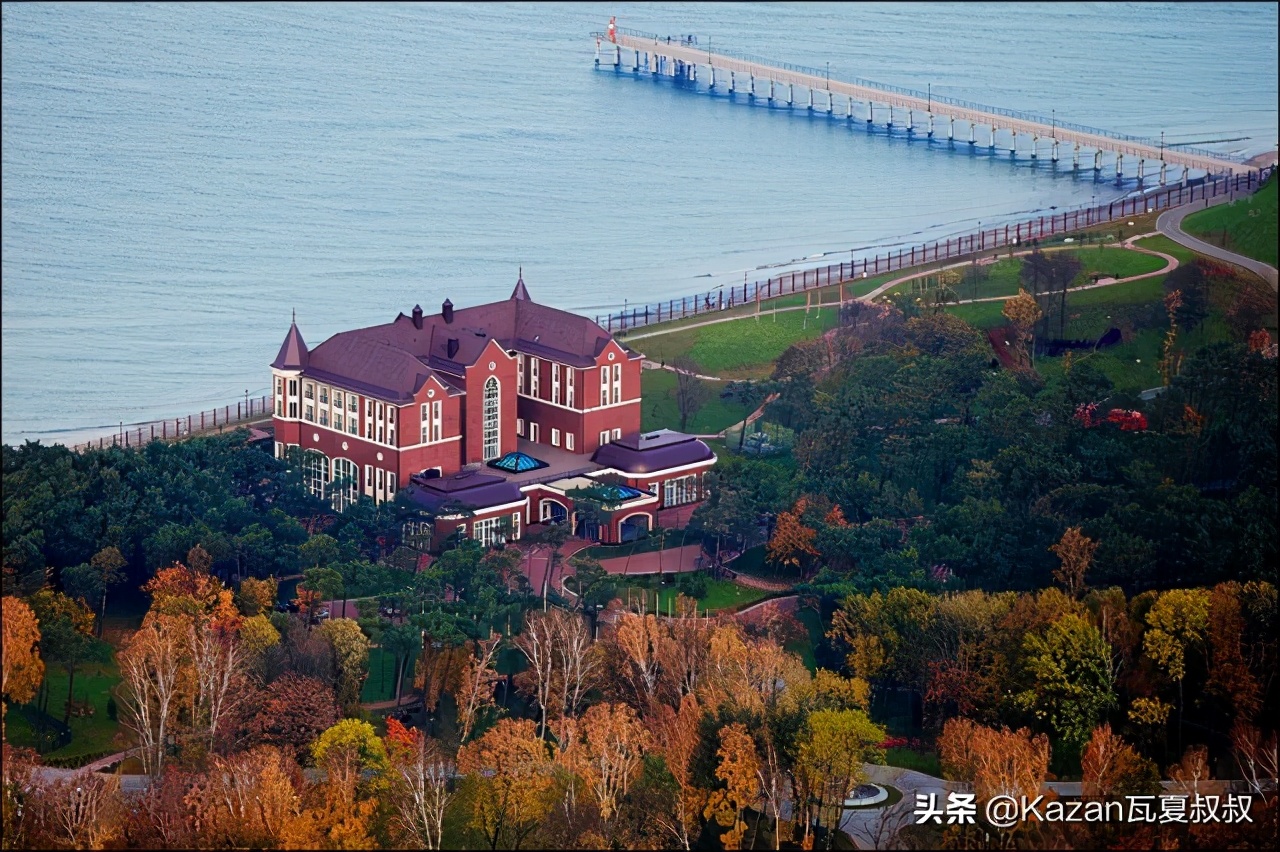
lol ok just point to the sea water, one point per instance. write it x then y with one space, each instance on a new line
178 179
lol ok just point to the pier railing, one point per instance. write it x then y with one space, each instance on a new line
209 421
1063 223
1020 115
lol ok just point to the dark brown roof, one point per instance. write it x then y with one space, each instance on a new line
520 292
473 491
293 352
393 360
661 450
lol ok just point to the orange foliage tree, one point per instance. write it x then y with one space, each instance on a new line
995 762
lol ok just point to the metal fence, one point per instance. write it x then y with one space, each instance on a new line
212 420
1063 223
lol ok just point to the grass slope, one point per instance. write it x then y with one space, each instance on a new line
1246 226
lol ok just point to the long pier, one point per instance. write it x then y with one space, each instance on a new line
680 57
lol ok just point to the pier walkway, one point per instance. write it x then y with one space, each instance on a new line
679 57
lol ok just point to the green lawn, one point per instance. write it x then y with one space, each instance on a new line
721 594
1168 246
743 348
1247 226
659 409
648 544
92 736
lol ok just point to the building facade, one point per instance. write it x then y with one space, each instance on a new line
426 401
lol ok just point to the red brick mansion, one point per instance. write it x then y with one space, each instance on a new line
493 417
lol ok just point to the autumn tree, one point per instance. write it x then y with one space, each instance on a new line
422 786
1257 756
562 663
1075 549
348 750
438 670
251 799
23 670
1176 625
508 782
476 683
738 770
1110 767
614 742
150 664
92 580
83 811
256 597
676 737
1023 312
792 541
292 712
996 762
639 638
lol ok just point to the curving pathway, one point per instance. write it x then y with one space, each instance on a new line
1170 224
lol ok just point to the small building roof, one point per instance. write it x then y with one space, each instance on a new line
467 490
652 451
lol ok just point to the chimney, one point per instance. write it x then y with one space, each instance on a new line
417 316
446 311
453 344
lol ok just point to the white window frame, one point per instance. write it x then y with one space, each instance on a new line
617 383
604 437
535 373
315 472
344 497
568 441
520 426
555 383
604 385
617 434
555 437
491 419
568 386
521 387
533 431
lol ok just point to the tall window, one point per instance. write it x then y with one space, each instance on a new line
682 490
431 422
494 530
555 383
521 387
346 483
491 441
315 472
617 383
535 371
604 385
568 386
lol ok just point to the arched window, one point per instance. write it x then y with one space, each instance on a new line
491 440
346 483
315 472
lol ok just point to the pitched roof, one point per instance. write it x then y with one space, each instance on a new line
468 490
293 352
394 359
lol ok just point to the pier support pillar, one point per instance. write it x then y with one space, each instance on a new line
992 146
1119 167
811 100
829 109
890 124
693 72
871 113
1141 163
791 94
635 62
732 81
972 130
930 125
597 53
1097 161
752 92
1163 172
849 114
1035 143
1075 157
1013 143
911 121
713 77
951 129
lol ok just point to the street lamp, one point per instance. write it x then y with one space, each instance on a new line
828 73
930 97
1053 123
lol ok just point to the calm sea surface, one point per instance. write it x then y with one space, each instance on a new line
178 178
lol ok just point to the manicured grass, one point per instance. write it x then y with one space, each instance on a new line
648 544
1164 244
659 409
744 348
93 735
1246 226
983 315
721 594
